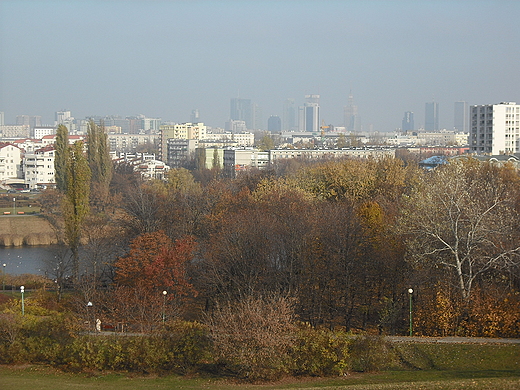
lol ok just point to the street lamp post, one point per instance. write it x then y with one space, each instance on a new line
3 276
89 305
22 290
410 292
164 306
14 206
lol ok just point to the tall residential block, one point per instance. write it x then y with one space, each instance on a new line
408 123
495 128
61 117
431 117
461 117
179 131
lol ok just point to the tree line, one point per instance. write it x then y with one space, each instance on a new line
344 238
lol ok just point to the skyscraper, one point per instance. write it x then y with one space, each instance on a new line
431 118
309 114
274 123
241 110
461 117
289 115
351 120
408 124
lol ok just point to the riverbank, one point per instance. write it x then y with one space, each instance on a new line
30 230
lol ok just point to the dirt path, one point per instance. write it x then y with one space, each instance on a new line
452 340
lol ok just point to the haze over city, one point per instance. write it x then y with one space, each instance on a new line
166 58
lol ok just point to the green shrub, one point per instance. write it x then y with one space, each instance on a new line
182 348
189 344
320 352
370 353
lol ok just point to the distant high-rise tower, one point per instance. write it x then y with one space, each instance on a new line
461 117
1 118
257 122
351 117
431 118
274 124
289 115
309 114
195 116
22 120
408 124
242 110
62 116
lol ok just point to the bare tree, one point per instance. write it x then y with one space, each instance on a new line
461 217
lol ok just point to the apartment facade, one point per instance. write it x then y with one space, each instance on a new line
495 128
38 167
10 162
179 131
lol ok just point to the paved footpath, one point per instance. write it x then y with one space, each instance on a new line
452 340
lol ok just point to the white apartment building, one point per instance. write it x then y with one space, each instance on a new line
179 131
128 143
495 128
236 160
10 162
242 139
38 167
42 131
15 131
51 139
143 164
278 154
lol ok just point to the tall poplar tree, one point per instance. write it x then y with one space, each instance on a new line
76 200
99 160
61 157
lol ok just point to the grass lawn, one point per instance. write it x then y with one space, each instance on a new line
38 377
419 366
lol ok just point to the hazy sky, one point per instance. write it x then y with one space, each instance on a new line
166 58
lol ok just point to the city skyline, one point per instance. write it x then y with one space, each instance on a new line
165 59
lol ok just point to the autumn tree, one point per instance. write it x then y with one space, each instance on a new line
254 337
61 157
100 163
461 218
266 143
142 206
155 264
76 201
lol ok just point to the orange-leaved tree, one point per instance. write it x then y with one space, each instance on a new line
155 263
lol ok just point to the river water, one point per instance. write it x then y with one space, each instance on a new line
28 259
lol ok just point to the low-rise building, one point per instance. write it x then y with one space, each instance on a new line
277 154
236 160
10 162
15 131
128 143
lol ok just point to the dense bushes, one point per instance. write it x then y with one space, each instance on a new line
182 347
320 352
